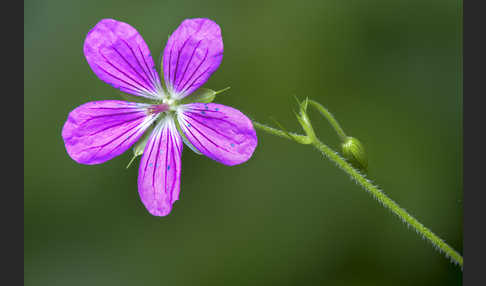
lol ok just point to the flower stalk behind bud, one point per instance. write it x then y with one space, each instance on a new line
334 123
352 149
354 161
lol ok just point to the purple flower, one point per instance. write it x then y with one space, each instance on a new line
96 132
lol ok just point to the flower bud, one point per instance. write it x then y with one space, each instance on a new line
355 153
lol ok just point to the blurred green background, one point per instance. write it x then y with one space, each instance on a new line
390 71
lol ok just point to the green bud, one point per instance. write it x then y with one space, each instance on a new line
355 153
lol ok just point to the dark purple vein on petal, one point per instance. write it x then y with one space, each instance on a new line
202 134
177 62
152 144
122 72
136 128
194 72
196 79
132 67
166 186
115 125
140 65
209 127
139 92
170 59
187 129
126 139
156 160
136 88
177 162
174 168
188 63
116 108
190 36
205 110
130 129
146 65
179 148
138 61
112 114
215 118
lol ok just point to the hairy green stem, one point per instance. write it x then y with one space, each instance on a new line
378 194
277 132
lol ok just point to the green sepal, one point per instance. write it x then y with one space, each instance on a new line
202 95
161 71
184 138
140 145
134 98
304 120
355 153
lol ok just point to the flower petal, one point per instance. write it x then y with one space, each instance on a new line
220 132
193 52
159 175
98 131
119 56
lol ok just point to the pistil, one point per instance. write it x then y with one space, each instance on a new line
154 109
